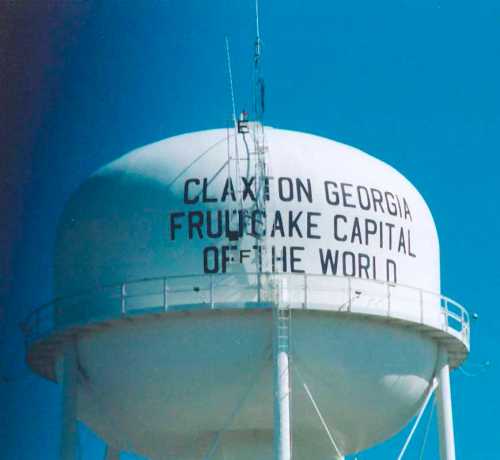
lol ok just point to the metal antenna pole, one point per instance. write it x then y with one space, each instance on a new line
445 415
281 342
68 379
260 150
281 310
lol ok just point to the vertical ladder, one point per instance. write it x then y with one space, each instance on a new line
283 327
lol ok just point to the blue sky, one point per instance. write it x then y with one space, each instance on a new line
414 83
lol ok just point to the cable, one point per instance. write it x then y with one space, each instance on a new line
230 75
476 374
427 428
318 412
432 387
257 19
199 157
217 437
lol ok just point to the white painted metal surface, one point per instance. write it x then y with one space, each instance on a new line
444 408
187 293
331 209
173 342
417 419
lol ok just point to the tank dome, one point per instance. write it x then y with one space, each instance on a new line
140 215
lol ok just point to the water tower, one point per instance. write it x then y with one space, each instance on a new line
191 291
247 293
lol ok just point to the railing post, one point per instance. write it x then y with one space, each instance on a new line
123 295
165 294
259 287
212 300
467 325
305 290
349 294
446 315
388 299
421 300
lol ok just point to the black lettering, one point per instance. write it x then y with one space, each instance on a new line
277 225
257 222
288 196
356 232
346 194
301 188
295 259
407 210
411 254
188 200
205 198
211 233
390 227
244 254
293 224
402 243
351 256
234 233
399 206
391 271
282 259
210 259
247 188
195 221
392 209
364 202
335 227
173 224
381 233
311 225
363 265
370 229
377 199
328 262
331 194
228 190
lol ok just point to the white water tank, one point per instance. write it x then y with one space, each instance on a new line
156 265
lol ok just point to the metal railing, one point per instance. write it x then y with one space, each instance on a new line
249 290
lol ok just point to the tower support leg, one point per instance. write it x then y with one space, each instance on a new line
69 423
445 415
282 407
282 441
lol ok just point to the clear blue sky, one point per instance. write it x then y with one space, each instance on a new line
415 83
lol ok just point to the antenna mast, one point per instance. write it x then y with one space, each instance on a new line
230 158
281 312
260 150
